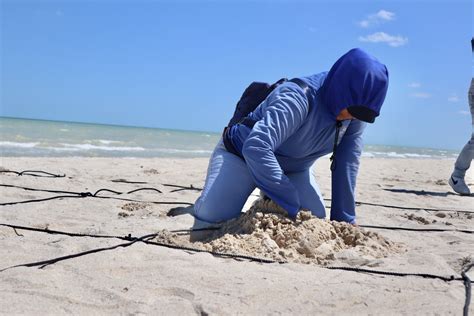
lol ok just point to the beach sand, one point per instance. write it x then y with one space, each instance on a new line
150 279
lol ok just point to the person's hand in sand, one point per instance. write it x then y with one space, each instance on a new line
274 146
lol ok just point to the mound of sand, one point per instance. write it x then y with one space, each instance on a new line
265 231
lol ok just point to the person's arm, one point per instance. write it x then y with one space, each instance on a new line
345 175
286 110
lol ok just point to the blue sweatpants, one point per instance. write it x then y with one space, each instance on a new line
463 162
229 184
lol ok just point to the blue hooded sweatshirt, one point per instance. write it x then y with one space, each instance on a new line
294 129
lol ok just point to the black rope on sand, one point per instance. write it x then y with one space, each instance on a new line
99 197
144 189
34 173
89 194
398 274
418 229
191 187
467 285
127 181
182 188
48 262
58 232
227 255
139 201
214 253
127 237
359 270
45 190
44 263
358 203
146 239
79 193
72 194
42 200
467 282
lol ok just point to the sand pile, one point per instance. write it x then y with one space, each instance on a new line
265 231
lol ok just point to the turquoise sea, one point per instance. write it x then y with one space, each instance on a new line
39 138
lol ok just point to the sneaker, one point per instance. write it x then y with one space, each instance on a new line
459 186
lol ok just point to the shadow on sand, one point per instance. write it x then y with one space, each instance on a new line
423 192
201 230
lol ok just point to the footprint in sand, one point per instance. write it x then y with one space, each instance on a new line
151 171
176 291
418 219
132 207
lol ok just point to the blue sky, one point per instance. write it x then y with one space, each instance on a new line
184 64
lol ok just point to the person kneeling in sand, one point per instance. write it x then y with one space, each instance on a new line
295 125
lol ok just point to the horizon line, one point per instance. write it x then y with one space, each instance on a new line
191 131
106 124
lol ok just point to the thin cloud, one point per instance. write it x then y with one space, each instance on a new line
374 19
59 13
464 112
453 98
414 85
382 37
421 95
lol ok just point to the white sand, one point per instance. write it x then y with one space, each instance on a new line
147 279
265 231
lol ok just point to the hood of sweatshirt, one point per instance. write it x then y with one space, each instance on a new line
358 82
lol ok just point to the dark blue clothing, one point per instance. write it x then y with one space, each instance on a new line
293 130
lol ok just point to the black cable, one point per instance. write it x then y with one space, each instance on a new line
103 190
139 201
182 188
220 254
47 262
144 189
58 232
34 173
214 253
418 229
127 181
357 202
467 285
127 237
40 200
79 193
191 187
73 194
42 264
410 208
263 260
42 190
467 282
389 273
414 208
99 197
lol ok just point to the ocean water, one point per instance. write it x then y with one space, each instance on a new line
38 138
